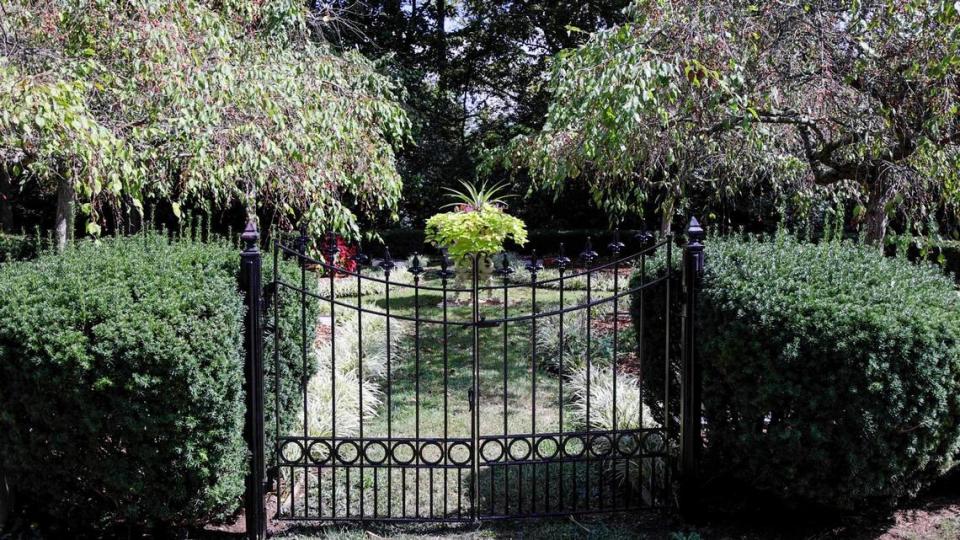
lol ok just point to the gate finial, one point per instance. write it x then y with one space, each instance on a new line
445 272
416 268
387 263
616 246
588 255
562 259
250 236
360 257
535 265
694 231
504 271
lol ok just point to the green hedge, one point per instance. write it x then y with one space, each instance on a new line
945 253
21 247
121 372
830 372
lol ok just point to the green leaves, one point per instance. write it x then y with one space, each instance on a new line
202 103
474 232
690 95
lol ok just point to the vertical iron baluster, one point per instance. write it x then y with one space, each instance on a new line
305 379
504 272
360 259
387 265
332 269
588 256
562 262
276 365
445 274
250 281
690 403
475 391
534 267
666 353
416 269
615 247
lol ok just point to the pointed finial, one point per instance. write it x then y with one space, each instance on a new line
332 248
250 236
694 231
387 263
359 257
534 265
504 270
416 268
588 254
302 241
616 246
562 259
445 272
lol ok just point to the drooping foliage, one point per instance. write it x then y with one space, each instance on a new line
855 99
198 102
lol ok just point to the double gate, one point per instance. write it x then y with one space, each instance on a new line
481 389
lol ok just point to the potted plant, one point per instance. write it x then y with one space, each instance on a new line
477 226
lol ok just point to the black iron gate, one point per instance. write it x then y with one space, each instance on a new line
492 388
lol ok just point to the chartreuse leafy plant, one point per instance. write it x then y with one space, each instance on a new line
197 102
831 374
121 373
479 225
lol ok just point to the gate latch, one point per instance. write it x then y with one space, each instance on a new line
484 323
470 398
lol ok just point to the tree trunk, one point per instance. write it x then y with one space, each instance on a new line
666 219
876 219
63 228
6 207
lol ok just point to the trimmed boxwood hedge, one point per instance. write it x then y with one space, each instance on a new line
121 372
18 247
831 373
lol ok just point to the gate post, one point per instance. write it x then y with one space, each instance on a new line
691 381
251 287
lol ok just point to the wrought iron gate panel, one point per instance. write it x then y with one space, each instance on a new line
502 438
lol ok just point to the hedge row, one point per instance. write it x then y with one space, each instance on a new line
15 247
831 373
121 372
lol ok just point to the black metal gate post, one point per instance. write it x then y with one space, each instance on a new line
251 286
691 387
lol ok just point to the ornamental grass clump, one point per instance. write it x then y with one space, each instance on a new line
831 374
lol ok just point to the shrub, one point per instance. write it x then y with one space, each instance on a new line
121 372
830 372
18 247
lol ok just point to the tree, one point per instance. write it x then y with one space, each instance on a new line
856 98
198 102
472 70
